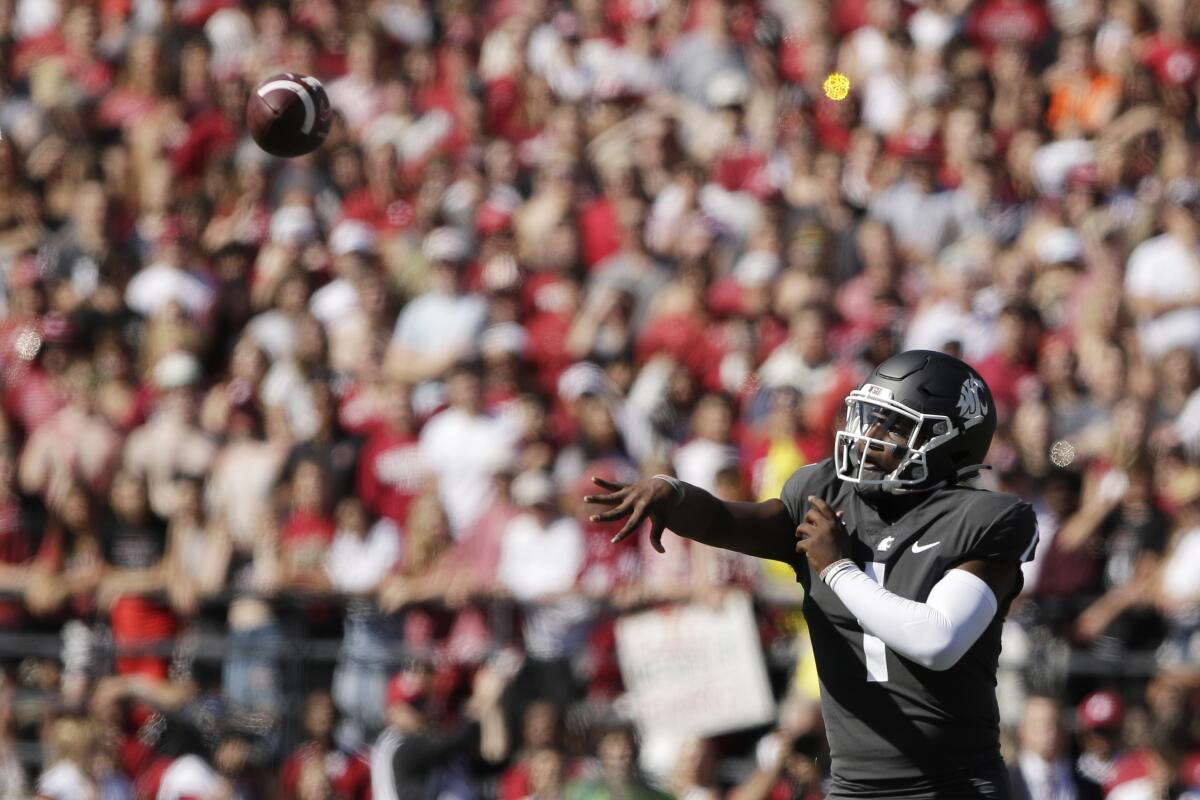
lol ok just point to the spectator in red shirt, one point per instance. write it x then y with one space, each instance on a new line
307 531
541 729
1015 359
317 768
14 540
381 203
1024 23
391 471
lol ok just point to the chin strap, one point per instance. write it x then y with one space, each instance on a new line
974 470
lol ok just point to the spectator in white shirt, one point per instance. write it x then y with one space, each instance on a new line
439 327
1162 277
711 448
464 447
69 776
541 557
357 562
356 94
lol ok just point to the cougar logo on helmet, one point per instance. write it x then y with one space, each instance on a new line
970 401
922 419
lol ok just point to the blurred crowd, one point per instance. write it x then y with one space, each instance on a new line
358 395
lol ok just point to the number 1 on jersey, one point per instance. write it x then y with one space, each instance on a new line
874 650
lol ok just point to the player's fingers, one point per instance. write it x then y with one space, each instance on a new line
656 533
635 520
604 499
610 485
820 506
613 513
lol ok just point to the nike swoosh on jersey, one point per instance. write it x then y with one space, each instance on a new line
917 548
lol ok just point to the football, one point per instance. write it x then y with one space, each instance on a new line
289 114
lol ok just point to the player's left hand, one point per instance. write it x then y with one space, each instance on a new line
822 537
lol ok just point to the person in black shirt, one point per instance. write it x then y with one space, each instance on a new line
413 759
909 571
134 541
1118 519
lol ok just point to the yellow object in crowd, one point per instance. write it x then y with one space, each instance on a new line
836 86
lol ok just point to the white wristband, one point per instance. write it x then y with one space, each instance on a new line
675 484
834 570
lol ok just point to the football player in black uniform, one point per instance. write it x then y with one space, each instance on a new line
908 572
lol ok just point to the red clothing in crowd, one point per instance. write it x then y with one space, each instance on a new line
1004 378
390 473
14 550
349 776
304 530
599 234
210 133
1023 23
1174 61
395 214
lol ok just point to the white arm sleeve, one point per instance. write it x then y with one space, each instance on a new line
934 634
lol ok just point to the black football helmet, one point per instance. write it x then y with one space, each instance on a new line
932 412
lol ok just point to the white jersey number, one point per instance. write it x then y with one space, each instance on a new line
874 649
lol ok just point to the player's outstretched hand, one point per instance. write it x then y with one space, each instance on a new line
649 498
822 536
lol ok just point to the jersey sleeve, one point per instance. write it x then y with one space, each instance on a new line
804 482
1012 537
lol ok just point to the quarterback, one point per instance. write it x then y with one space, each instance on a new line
908 572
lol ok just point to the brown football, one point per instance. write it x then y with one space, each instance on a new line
289 114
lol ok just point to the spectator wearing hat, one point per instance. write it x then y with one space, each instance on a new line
171 441
414 757
439 327
361 556
347 305
1042 769
502 348
541 558
1099 720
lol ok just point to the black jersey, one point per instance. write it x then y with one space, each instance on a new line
897 729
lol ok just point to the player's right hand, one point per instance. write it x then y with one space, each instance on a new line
649 498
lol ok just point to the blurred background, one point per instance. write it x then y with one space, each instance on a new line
293 451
